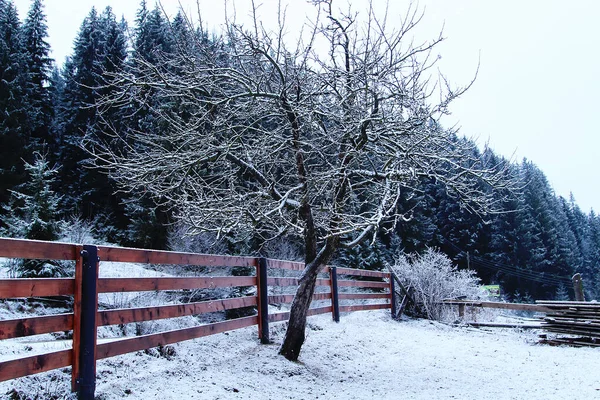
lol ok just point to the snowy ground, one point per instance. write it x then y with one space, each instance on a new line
365 356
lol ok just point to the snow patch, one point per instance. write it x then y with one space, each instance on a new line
366 356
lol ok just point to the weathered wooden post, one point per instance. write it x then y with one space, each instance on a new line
393 296
578 287
334 294
461 310
263 300
86 384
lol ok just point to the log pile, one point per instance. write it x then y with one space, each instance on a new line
579 320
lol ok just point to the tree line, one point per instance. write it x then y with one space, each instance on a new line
531 245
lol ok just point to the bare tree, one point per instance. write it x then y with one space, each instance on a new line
318 140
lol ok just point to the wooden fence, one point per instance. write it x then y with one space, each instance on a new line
86 317
462 304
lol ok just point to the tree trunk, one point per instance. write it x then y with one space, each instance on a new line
295 334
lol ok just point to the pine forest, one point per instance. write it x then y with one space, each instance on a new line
53 188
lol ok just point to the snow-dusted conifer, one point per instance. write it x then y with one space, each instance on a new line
33 214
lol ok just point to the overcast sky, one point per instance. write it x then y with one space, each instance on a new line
536 93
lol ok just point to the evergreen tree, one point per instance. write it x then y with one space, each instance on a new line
152 37
100 49
38 67
505 236
419 231
56 90
366 255
14 127
33 215
562 294
592 259
78 114
152 44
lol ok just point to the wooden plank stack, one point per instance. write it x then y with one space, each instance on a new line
579 320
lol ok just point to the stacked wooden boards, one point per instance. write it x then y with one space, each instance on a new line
579 320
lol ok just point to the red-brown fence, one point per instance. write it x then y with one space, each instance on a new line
86 317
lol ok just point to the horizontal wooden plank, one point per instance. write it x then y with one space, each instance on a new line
277 281
281 264
288 298
37 249
320 310
566 304
571 320
365 284
364 307
282 298
35 364
322 296
109 285
574 325
575 342
499 305
129 315
278 317
11 288
13 328
573 331
362 272
575 315
503 325
121 254
285 316
137 343
363 296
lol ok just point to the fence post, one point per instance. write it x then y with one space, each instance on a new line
88 327
334 294
578 287
263 301
77 320
393 296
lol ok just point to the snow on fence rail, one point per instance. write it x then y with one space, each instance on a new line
86 317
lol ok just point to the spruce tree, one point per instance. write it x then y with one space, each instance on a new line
79 116
38 68
14 126
32 214
152 44
100 49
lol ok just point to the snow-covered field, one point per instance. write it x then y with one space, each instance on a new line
366 356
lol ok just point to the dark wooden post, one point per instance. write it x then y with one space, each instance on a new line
578 287
77 320
263 301
335 303
88 328
393 296
461 310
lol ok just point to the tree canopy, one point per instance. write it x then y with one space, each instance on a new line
294 141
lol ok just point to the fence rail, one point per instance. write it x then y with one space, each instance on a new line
86 317
496 304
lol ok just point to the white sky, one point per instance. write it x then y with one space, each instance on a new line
537 89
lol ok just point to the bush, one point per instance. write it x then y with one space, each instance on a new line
433 278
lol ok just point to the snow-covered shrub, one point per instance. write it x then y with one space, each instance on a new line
433 278
75 229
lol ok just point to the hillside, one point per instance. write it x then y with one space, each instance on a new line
366 355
